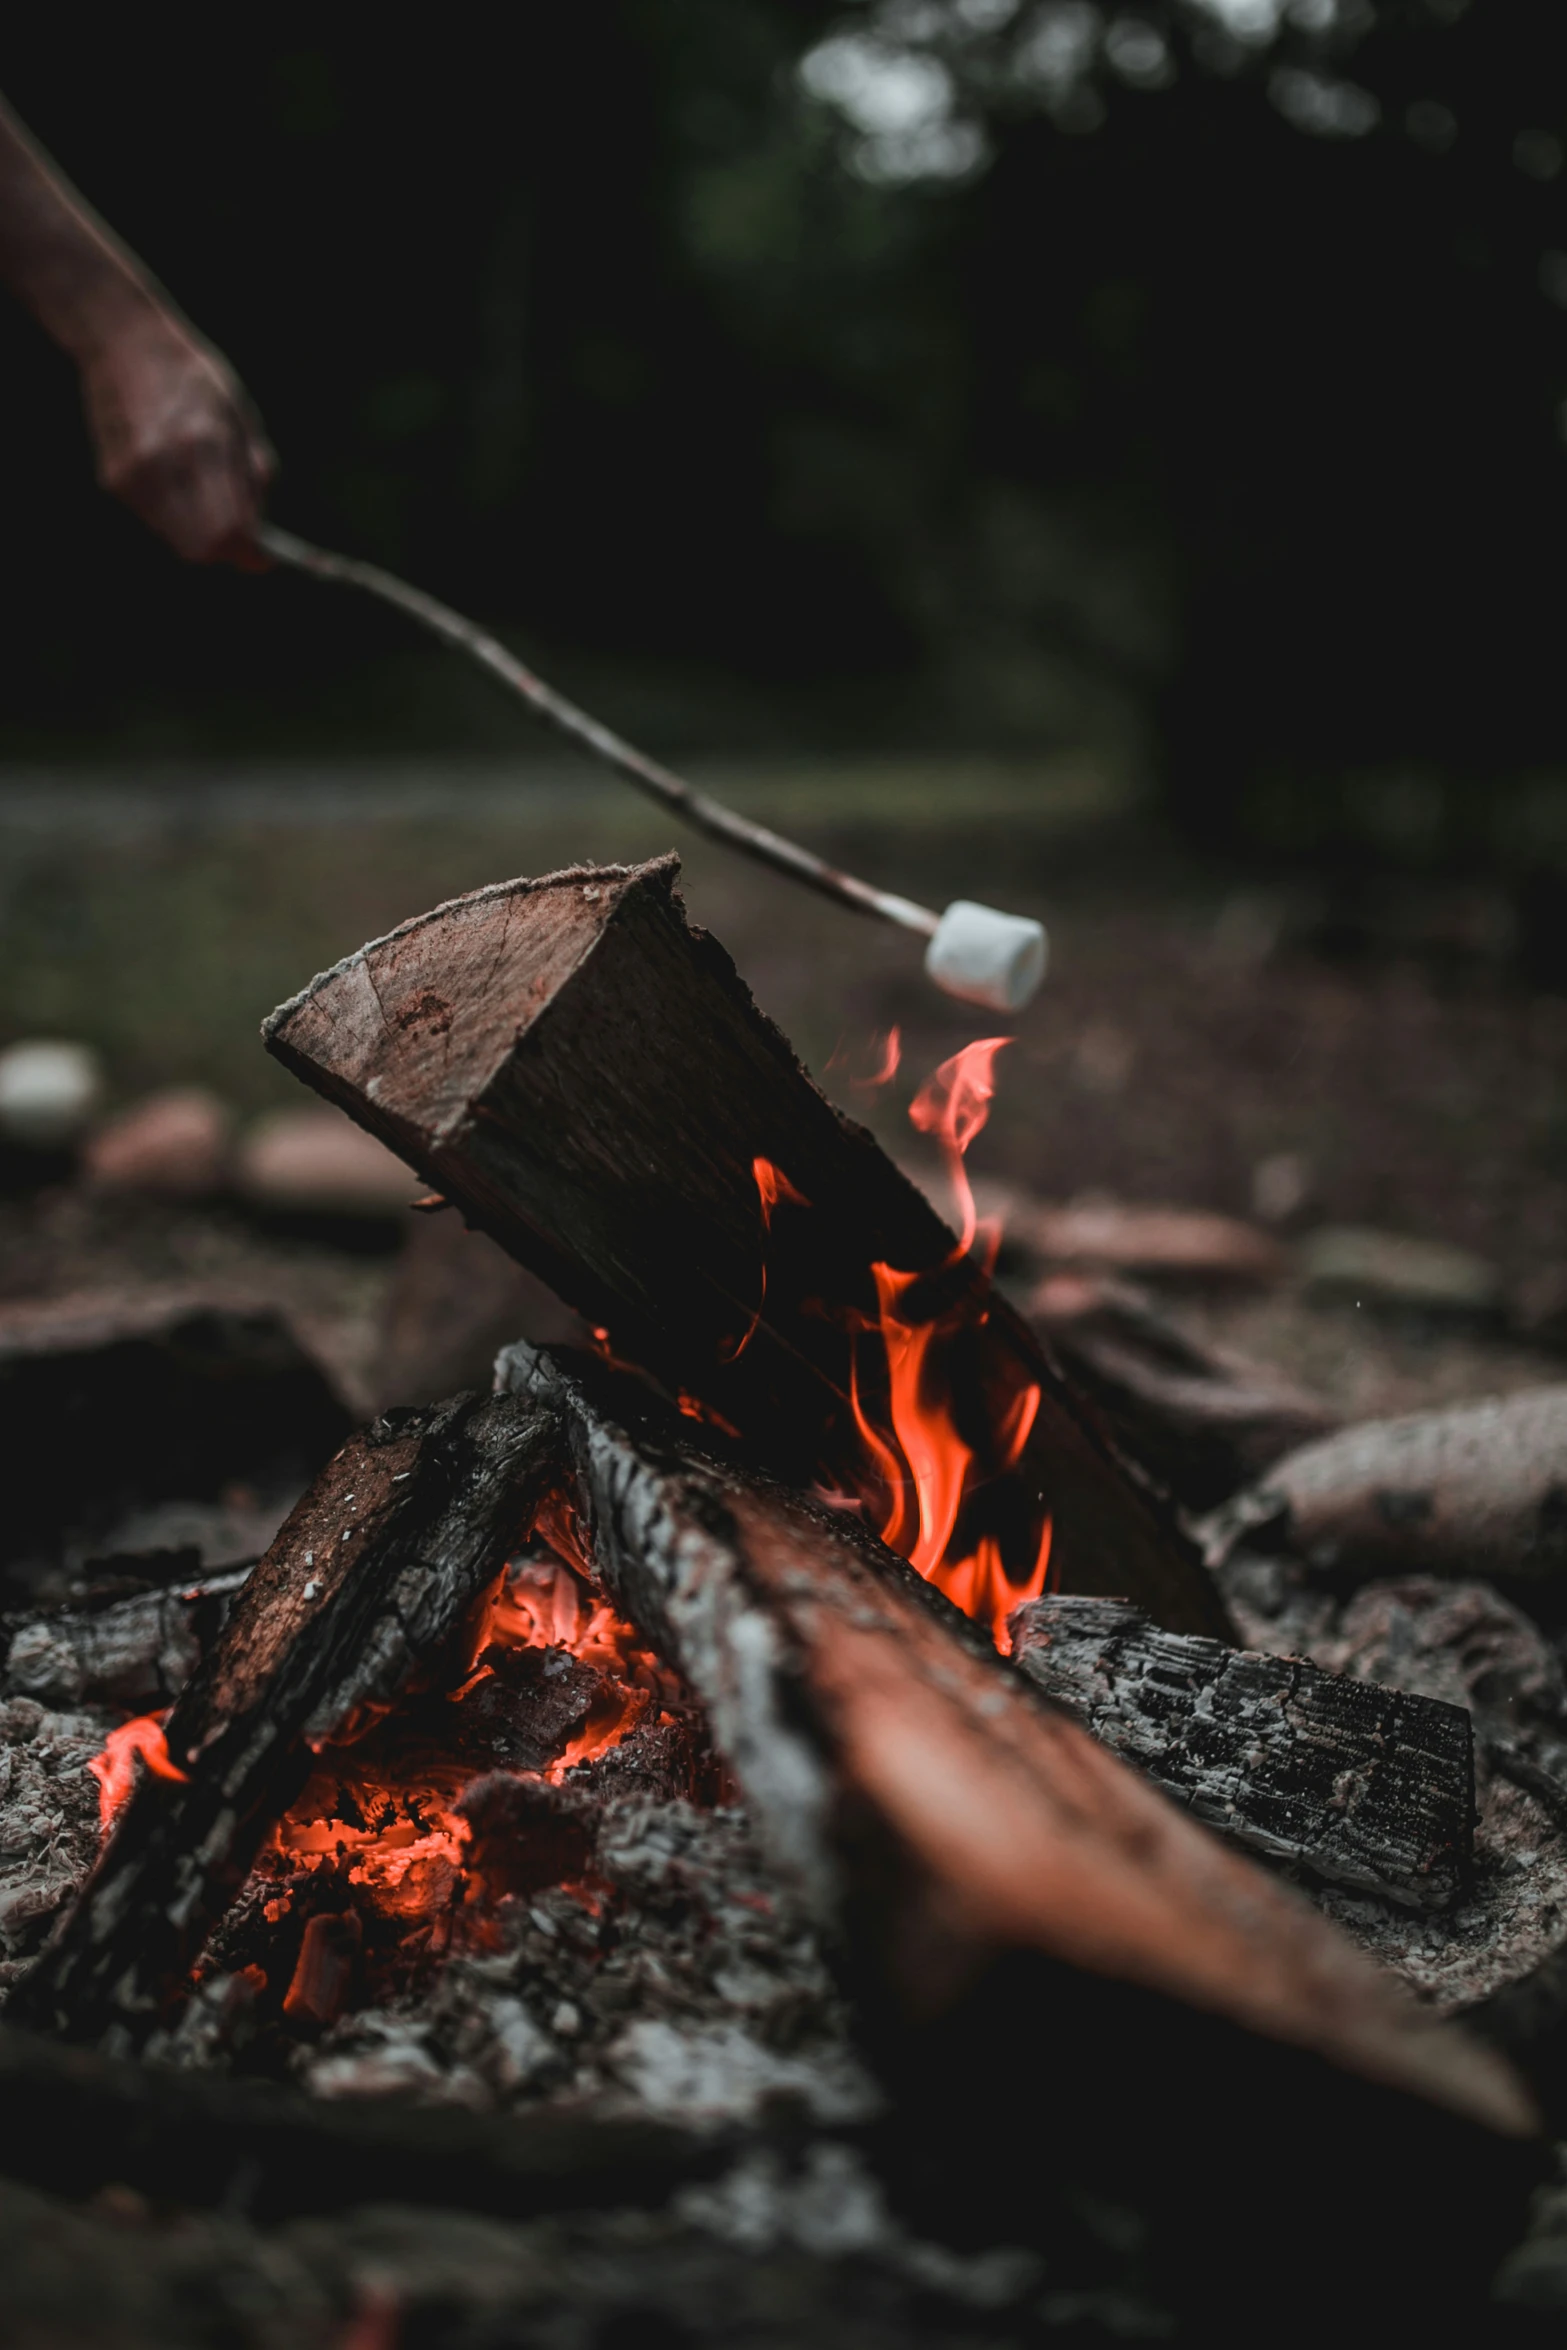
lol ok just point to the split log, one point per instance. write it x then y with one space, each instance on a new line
1200 1419
920 1798
366 1592
589 1080
72 2121
1478 1490
1362 1786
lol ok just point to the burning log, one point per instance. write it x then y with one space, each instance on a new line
912 1790
367 1592
1476 1490
587 1078
1362 1786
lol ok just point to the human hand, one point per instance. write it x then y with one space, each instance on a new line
176 438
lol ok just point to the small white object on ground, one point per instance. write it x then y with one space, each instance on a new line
49 1090
983 957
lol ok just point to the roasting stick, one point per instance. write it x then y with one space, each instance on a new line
972 952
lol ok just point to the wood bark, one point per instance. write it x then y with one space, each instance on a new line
1477 1490
1363 1786
933 1814
73 2120
589 1080
366 1591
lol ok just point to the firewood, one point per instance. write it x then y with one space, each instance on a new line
587 1078
916 1793
365 1593
136 1653
1477 1490
1200 1419
73 2120
118 1396
1362 1786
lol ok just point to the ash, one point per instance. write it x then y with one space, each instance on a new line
675 1981
48 1821
1467 1644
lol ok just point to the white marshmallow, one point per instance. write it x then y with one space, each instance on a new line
987 958
48 1092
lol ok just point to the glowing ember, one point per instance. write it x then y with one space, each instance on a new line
384 1812
115 1768
927 1473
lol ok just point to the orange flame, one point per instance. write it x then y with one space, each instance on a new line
115 1768
886 1068
772 1185
925 1467
953 1105
888 1050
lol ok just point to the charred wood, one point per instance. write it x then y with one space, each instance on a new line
137 1653
931 1812
73 2120
366 1592
1362 1786
587 1078
113 1398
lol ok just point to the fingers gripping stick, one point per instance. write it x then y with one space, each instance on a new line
976 954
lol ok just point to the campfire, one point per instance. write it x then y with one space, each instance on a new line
772 1718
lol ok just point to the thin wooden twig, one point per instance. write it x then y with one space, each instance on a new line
696 807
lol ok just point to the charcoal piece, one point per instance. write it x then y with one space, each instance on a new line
137 1653
932 1816
533 1703
368 1589
588 1080
1364 1787
526 1834
115 1398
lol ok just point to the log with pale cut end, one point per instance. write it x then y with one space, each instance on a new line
1363 1786
911 1787
1476 1490
588 1079
366 1592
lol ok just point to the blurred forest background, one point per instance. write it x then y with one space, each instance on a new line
1186 379
1104 457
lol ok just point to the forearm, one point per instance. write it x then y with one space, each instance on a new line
81 284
